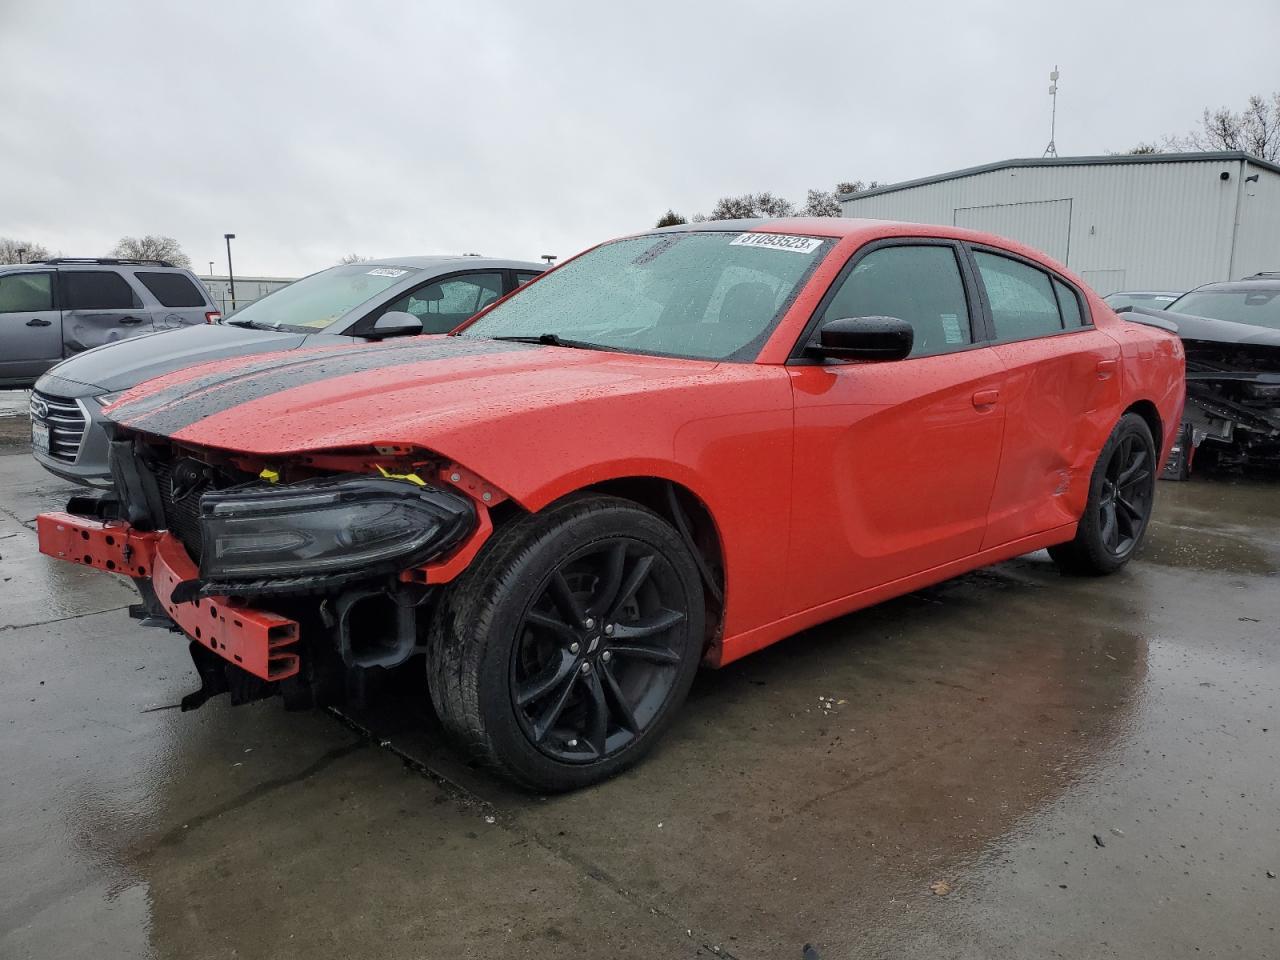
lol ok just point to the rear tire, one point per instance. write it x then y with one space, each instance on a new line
563 653
1121 494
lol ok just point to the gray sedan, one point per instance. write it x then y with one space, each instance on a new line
342 305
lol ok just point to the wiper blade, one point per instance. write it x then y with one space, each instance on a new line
553 340
253 325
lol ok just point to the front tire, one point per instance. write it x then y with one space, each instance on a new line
1121 495
563 653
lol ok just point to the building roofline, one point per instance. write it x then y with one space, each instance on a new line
1105 160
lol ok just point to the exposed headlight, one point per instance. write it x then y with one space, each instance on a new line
341 525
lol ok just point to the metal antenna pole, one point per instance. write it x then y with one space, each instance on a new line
1052 150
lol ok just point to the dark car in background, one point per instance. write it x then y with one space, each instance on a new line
350 303
1232 335
54 309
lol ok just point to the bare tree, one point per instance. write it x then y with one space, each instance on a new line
353 258
670 219
820 203
1255 130
855 186
752 205
151 247
21 251
734 208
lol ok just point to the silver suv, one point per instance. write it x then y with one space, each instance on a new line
56 308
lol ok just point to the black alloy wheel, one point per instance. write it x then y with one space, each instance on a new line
563 652
591 667
1127 491
1121 495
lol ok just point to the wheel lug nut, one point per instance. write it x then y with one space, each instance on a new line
574 648
608 630
586 668
606 656
588 623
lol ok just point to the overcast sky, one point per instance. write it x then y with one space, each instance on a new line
515 129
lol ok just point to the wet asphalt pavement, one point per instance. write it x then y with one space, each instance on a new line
1011 764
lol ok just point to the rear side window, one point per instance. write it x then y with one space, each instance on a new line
22 292
1069 304
919 284
1022 301
98 290
171 289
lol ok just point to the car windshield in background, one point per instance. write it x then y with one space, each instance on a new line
1260 308
314 302
701 295
1152 301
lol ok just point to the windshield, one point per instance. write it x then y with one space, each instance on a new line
314 302
1260 308
1153 301
701 295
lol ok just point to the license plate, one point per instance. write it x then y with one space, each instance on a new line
40 437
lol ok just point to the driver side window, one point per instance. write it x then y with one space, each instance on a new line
919 284
445 304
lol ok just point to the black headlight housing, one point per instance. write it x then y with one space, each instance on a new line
343 528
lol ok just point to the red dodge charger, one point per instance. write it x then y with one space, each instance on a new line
674 449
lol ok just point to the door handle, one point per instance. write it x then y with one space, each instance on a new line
129 321
37 322
1106 369
985 398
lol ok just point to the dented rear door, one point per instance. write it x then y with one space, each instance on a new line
99 306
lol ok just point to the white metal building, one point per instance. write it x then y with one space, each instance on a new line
248 289
1156 222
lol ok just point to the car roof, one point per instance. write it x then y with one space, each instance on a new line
454 262
46 265
1239 286
858 227
1144 293
817 226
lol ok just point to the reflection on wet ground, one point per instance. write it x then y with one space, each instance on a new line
1008 764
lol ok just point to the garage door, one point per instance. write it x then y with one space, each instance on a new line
1043 224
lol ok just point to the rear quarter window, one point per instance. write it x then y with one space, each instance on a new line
172 289
1069 304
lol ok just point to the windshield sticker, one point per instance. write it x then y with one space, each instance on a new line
777 241
387 272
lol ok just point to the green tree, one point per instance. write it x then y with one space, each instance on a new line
671 219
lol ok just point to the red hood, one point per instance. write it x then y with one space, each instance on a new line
415 393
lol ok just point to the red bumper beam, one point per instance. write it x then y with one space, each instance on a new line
260 642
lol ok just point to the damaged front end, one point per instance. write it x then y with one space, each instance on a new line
293 578
1232 413
1233 406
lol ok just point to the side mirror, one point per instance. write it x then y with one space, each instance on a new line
863 338
396 323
